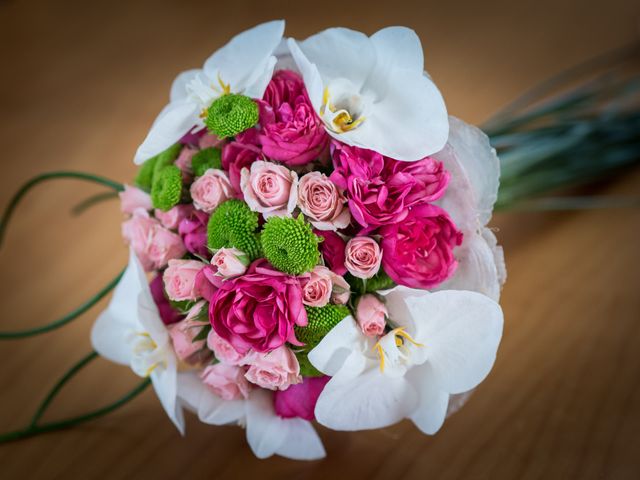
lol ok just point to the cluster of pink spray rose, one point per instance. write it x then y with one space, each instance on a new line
237 318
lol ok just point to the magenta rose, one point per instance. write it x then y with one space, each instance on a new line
193 231
299 400
291 132
382 190
418 252
332 249
240 153
362 257
168 314
258 310
321 200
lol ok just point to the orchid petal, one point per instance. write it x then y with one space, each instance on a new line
301 441
245 54
310 74
216 411
190 390
264 428
432 404
398 47
165 383
175 120
329 355
179 89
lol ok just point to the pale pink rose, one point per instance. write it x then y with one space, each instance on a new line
223 350
230 262
210 190
269 188
133 198
183 332
362 257
340 289
274 370
371 315
172 217
321 200
317 290
226 381
180 279
183 162
209 140
153 244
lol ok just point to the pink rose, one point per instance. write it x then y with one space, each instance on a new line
291 132
275 370
223 350
300 400
240 153
321 201
209 140
259 309
179 279
317 291
210 190
371 315
183 333
230 262
172 217
153 244
381 190
340 290
193 231
226 381
418 252
133 198
183 162
269 188
362 257
168 314
332 249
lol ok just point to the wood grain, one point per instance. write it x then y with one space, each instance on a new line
80 84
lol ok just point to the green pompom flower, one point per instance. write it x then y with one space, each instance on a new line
144 177
233 224
320 321
167 188
231 114
205 159
306 368
290 245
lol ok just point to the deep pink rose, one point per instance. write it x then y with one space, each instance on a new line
269 188
418 252
180 279
226 381
153 244
133 198
300 400
183 334
291 132
382 190
172 217
321 200
240 153
209 140
259 309
275 370
332 249
371 315
210 190
362 257
193 231
168 314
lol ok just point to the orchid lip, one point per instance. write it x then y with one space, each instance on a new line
399 336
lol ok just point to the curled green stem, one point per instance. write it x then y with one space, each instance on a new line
65 319
8 212
93 200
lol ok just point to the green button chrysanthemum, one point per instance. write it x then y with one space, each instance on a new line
290 245
231 114
320 321
205 159
167 188
306 368
233 224
145 176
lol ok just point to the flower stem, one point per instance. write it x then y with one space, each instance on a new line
33 430
89 202
6 216
65 319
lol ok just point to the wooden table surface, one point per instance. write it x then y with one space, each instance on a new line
80 84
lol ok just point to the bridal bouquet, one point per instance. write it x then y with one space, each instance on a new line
315 228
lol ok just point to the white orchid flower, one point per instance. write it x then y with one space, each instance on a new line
130 332
267 433
469 199
244 65
372 92
442 343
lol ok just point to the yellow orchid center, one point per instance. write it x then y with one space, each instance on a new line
399 336
341 121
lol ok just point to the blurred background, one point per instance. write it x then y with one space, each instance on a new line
80 85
